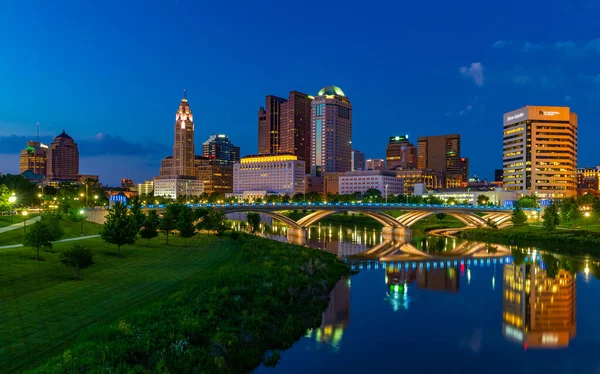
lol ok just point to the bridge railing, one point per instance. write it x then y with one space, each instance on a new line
309 205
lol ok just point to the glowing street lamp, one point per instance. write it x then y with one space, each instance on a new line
12 199
25 221
82 212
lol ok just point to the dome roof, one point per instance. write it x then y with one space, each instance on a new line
331 90
63 135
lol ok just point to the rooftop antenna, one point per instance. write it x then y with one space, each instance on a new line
185 93
38 132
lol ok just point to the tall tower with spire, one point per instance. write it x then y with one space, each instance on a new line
182 161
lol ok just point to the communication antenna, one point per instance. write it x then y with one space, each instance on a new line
38 132
184 93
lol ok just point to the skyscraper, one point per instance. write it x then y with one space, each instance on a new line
358 160
400 152
438 153
221 149
63 159
34 158
540 151
269 125
331 133
375 164
294 135
182 161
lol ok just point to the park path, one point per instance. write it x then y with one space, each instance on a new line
19 225
58 241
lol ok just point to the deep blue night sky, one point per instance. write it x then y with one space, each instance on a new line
112 73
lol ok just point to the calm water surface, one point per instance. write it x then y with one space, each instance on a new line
441 305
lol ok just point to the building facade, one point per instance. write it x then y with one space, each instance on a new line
441 153
400 153
375 164
214 176
496 196
358 160
588 180
540 151
361 181
331 132
275 174
220 148
34 158
269 125
174 188
430 178
145 188
182 161
63 159
294 135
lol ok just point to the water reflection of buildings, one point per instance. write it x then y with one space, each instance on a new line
436 279
538 311
336 317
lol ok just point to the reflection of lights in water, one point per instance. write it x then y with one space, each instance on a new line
468 276
493 283
398 297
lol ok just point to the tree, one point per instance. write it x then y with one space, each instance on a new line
136 211
482 200
518 216
372 194
120 227
52 221
78 258
253 221
215 220
530 201
168 223
551 217
38 236
185 224
5 193
441 216
150 226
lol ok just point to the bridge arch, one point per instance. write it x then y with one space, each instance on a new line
469 219
276 216
384 219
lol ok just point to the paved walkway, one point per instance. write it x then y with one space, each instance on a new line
19 225
58 241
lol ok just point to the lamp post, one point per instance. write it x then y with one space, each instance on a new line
587 215
82 212
25 221
12 199
386 193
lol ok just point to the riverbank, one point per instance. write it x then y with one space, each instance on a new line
571 242
225 305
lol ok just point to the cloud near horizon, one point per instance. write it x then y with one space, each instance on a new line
474 71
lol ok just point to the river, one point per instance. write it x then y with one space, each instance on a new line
444 305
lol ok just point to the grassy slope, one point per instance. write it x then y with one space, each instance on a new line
72 230
5 220
43 310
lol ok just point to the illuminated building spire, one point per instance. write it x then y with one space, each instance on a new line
183 148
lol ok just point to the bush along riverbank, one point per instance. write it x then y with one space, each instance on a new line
571 242
235 318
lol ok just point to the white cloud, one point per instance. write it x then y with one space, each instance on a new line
475 72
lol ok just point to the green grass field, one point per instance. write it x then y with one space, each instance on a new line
43 310
72 230
6 220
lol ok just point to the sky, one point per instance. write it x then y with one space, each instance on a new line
112 73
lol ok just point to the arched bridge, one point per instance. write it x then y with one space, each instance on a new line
476 216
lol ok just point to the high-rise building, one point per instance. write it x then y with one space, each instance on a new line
269 125
34 158
375 164
400 153
358 160
294 134
540 151
331 132
588 180
182 161
63 159
215 176
268 174
220 148
127 183
539 310
439 153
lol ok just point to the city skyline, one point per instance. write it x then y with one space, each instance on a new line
483 75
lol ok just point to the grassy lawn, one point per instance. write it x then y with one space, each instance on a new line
6 220
42 310
71 230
